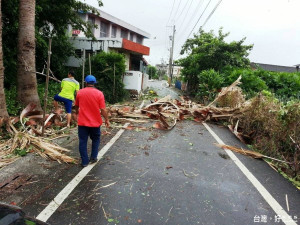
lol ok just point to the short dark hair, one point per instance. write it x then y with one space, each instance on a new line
72 73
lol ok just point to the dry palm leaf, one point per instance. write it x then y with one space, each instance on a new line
124 120
255 155
40 146
235 131
29 108
135 115
226 90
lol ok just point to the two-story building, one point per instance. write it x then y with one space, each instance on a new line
113 34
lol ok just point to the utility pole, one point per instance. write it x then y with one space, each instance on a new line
171 58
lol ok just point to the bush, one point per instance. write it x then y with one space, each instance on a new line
13 106
165 77
109 68
210 83
53 89
251 82
288 86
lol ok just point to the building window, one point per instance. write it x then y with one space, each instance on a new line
103 29
113 31
139 39
78 53
131 36
88 52
124 34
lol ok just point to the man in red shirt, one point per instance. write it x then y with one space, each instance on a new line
89 102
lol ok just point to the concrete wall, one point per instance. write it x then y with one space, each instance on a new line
133 80
111 20
145 81
103 44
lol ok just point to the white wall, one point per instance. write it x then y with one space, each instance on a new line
145 81
133 80
102 43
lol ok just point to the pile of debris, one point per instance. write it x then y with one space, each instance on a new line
229 106
168 111
28 137
254 121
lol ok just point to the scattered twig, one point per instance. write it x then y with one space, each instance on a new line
187 175
105 215
105 186
287 203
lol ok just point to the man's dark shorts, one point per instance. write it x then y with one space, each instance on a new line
67 102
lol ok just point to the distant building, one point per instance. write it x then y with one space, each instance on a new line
112 34
165 67
275 68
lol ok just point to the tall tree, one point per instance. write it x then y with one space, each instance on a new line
60 14
3 110
207 51
26 77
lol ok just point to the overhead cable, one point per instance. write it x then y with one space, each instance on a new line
171 11
186 14
211 14
176 11
191 18
183 8
199 18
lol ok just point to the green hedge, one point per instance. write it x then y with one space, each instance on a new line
285 86
109 69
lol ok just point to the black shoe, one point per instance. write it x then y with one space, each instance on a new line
92 160
83 165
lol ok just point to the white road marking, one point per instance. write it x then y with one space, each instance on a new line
261 189
59 199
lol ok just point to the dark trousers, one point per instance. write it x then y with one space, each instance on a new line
84 133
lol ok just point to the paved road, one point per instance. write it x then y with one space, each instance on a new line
162 89
175 177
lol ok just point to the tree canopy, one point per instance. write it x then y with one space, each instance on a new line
207 51
152 72
59 14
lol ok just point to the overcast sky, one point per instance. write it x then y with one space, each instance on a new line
273 26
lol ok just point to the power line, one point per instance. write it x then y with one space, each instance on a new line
211 14
181 33
171 11
192 17
183 8
176 11
199 18
186 14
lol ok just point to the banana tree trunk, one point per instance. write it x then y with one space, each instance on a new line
3 110
26 77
